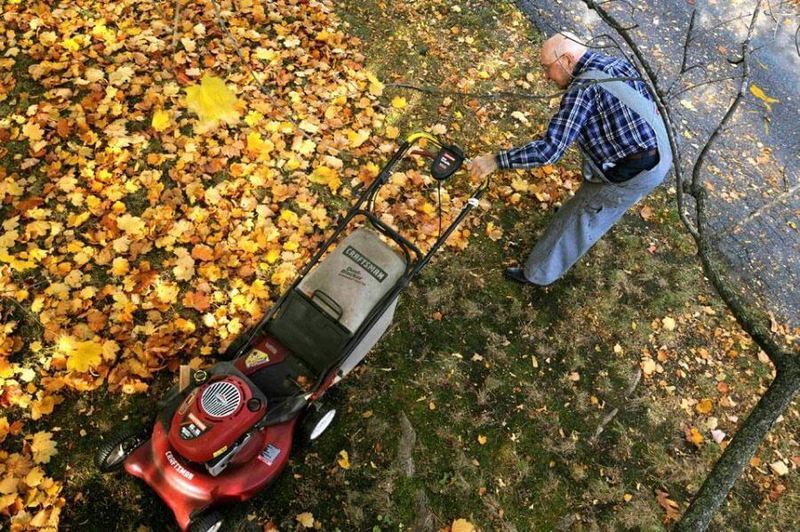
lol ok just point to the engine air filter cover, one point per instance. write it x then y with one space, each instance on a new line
221 399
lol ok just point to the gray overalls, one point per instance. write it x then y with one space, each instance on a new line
599 203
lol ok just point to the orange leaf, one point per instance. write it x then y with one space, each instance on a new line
197 300
202 252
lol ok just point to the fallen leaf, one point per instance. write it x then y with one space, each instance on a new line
779 468
705 406
761 95
43 447
161 120
306 519
213 102
462 525
671 508
344 460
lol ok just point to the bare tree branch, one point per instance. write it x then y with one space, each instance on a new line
707 82
686 44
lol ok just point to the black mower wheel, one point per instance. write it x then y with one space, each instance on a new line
116 449
316 421
208 522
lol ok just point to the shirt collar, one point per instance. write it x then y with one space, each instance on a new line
580 66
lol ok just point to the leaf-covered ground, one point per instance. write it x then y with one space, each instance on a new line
140 232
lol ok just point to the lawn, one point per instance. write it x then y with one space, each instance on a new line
596 403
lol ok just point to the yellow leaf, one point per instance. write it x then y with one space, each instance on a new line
322 175
42 407
705 406
34 477
213 102
161 120
357 139
375 85
258 147
392 132
344 460
9 485
71 44
33 131
462 525
482 439
306 519
132 225
120 266
398 102
81 356
694 436
43 447
669 323
184 265
761 95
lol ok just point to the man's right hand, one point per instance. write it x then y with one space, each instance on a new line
483 165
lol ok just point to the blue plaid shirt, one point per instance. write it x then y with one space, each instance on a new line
604 128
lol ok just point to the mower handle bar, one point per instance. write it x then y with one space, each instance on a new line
414 267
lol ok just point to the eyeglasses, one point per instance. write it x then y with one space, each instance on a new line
548 65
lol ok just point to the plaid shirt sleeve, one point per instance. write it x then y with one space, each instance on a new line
561 132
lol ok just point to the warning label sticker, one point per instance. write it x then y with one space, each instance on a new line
256 357
269 454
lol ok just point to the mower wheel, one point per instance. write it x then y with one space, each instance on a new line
316 421
208 522
116 449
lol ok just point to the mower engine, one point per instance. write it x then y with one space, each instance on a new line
215 421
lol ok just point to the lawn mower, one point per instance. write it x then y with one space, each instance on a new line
225 433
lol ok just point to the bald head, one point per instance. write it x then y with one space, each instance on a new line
560 54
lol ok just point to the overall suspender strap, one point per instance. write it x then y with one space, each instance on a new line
629 97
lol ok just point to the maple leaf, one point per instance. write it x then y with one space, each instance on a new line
375 85
306 519
357 139
43 447
33 131
258 147
705 406
184 265
322 175
671 508
120 266
694 437
121 75
462 525
213 102
398 102
161 120
81 356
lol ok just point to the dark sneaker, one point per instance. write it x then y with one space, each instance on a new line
516 274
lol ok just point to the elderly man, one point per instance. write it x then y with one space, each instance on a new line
622 139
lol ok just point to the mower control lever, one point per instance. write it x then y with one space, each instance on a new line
447 162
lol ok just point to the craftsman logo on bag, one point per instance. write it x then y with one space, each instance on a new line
373 269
